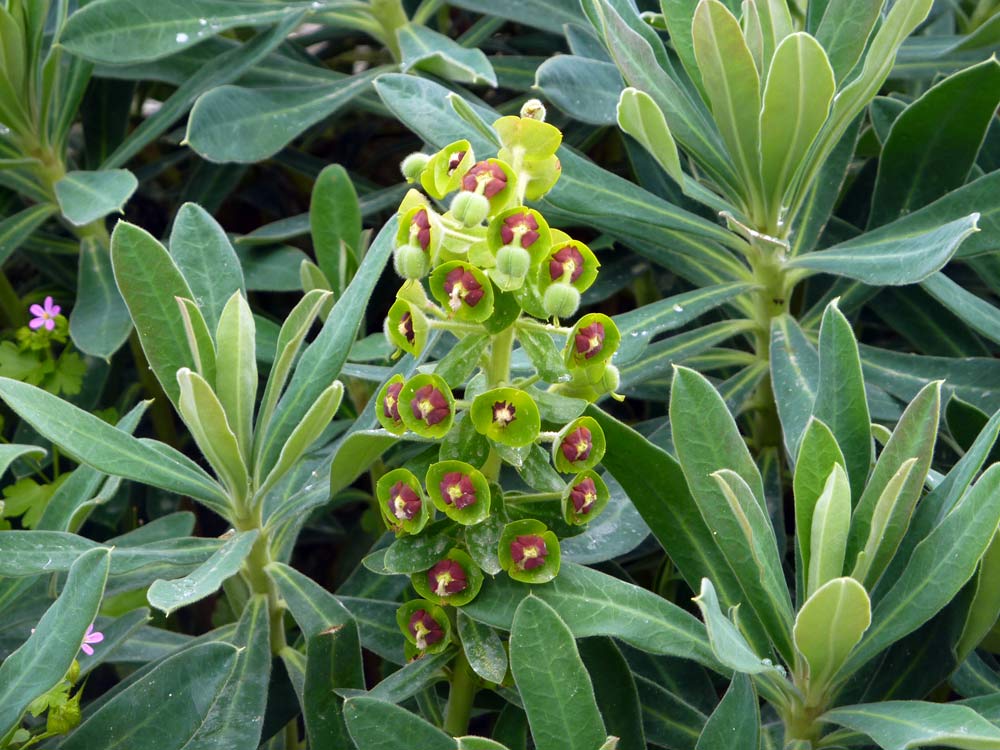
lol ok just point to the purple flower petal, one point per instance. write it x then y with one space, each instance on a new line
37 323
37 310
50 324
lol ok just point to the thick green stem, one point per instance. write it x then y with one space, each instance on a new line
770 301
260 583
463 691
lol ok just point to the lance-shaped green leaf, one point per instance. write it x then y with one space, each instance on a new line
425 49
797 98
335 225
93 441
542 352
830 523
206 579
333 661
939 567
736 721
844 30
985 607
829 626
583 87
483 648
237 716
11 452
290 337
457 365
199 338
15 229
616 692
43 660
891 256
889 521
841 403
305 434
817 459
204 416
901 725
379 725
236 368
979 314
728 644
322 360
592 603
87 196
314 608
544 660
914 437
237 124
150 282
732 83
171 703
678 16
129 31
206 259
794 377
99 322
641 118
933 144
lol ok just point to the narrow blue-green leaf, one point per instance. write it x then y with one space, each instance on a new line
236 369
206 579
425 49
728 644
314 608
46 656
736 722
844 30
545 661
206 260
99 322
979 314
170 703
14 230
335 225
483 649
378 725
901 725
87 196
584 88
333 660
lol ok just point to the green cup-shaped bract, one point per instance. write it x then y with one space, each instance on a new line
445 169
495 180
420 226
402 502
528 551
520 226
406 327
579 446
454 579
506 415
459 490
387 405
425 625
593 341
463 290
584 498
570 262
427 406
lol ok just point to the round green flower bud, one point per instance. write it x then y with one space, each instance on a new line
454 579
534 110
425 625
413 165
561 300
410 262
470 208
584 498
529 552
513 264
406 326
579 446
426 406
611 379
508 416
401 501
459 490
74 672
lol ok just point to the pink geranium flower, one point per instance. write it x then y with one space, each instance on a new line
92 636
44 315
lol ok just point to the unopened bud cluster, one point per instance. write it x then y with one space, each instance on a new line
491 271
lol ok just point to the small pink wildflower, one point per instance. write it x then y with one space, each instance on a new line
44 315
92 636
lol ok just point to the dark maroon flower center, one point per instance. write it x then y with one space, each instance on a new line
390 407
522 225
489 175
455 160
423 224
446 578
404 503
461 286
576 446
457 489
429 405
405 327
590 340
503 413
583 496
528 551
568 260
425 629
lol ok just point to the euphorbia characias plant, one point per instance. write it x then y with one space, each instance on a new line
498 275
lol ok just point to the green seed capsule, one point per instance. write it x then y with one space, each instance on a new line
470 208
410 262
513 264
413 165
561 300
